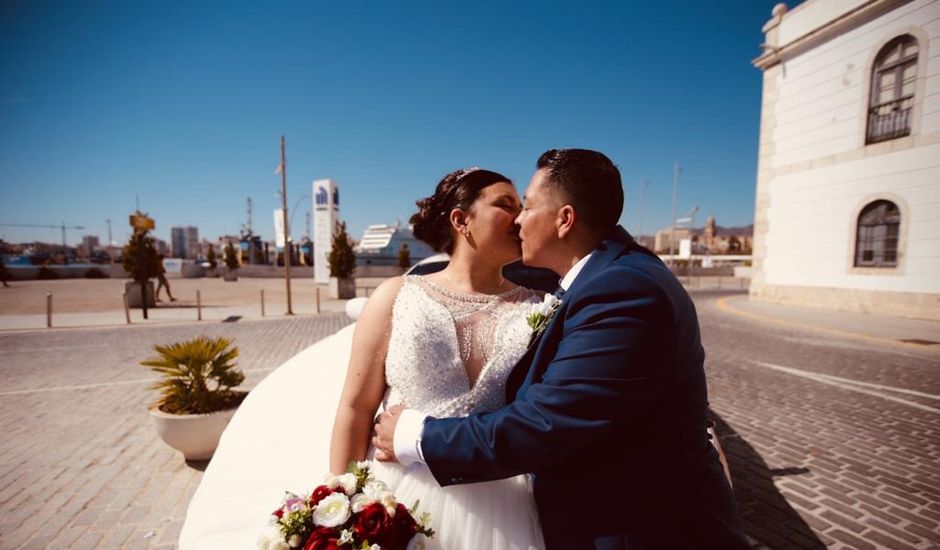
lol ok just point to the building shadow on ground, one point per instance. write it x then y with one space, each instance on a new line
767 516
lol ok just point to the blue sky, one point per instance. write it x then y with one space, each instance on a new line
183 104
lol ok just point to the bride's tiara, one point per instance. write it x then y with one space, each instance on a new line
465 172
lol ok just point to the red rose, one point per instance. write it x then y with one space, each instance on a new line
319 494
279 513
323 538
403 528
372 522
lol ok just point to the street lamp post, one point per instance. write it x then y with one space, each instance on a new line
283 167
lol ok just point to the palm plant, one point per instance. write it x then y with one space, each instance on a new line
189 368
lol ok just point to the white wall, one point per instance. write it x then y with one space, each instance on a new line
823 93
812 217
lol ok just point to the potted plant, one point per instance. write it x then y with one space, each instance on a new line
140 259
213 261
404 257
197 398
342 262
231 263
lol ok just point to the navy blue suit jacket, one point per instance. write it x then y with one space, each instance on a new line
609 414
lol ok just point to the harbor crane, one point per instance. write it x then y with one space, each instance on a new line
62 226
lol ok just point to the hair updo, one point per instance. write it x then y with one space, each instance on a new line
459 189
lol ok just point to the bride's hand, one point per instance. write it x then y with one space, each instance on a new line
384 434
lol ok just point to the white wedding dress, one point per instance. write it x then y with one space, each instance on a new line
449 355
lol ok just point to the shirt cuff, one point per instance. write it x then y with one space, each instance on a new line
407 438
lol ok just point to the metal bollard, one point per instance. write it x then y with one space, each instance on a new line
127 309
318 299
198 306
48 310
262 302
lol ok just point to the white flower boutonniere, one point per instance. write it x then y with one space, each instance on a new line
540 314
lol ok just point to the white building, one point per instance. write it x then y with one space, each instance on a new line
184 242
380 245
848 183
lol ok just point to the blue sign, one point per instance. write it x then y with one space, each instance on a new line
322 198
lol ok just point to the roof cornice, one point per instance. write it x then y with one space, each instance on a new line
774 55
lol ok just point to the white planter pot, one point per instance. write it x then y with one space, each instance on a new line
132 288
342 289
194 435
742 272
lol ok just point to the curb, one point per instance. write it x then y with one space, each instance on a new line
727 308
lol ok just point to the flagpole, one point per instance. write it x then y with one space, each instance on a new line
672 237
287 244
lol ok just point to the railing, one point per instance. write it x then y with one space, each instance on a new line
889 120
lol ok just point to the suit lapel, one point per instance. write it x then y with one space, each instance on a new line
533 363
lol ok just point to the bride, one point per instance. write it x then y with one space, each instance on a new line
445 344
442 343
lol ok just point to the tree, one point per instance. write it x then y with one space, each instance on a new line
211 258
140 257
231 259
341 258
404 256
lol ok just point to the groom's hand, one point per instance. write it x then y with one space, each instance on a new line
384 438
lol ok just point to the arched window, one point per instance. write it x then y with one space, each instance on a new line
876 239
892 90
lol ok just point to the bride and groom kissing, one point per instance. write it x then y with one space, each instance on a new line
589 432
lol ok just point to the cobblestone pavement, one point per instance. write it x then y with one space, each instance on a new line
80 463
832 441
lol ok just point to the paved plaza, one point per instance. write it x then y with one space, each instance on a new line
831 423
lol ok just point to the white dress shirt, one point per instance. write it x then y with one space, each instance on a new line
407 437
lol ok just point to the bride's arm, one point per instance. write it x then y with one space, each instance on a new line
365 378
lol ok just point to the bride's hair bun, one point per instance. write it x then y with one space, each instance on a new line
431 223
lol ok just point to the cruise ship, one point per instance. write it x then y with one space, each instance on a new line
380 245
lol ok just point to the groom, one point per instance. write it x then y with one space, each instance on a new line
608 406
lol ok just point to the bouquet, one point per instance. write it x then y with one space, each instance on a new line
350 511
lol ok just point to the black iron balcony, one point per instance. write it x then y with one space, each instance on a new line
889 120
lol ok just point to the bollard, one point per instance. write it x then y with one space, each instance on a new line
719 281
198 306
48 310
318 298
127 309
262 302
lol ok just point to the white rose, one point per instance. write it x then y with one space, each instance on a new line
374 489
271 539
332 511
388 500
346 481
294 541
359 502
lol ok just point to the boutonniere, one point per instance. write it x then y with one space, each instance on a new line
540 314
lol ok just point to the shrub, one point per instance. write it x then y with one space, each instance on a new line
341 258
46 274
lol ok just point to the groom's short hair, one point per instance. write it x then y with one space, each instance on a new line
590 182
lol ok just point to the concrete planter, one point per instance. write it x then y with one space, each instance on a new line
742 271
230 275
132 288
194 435
342 289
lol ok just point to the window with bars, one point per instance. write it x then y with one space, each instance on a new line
876 239
893 78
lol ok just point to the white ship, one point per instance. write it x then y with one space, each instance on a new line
380 245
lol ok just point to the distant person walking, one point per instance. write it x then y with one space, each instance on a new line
161 280
4 276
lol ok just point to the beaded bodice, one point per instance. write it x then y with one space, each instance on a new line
449 353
